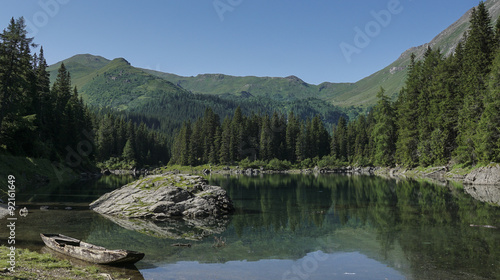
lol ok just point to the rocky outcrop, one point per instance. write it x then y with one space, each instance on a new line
165 196
488 175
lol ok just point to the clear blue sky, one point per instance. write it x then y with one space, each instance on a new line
240 37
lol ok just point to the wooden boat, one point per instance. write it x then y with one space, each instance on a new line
88 252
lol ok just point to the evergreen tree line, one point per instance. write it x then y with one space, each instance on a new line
254 137
447 112
35 119
38 120
167 113
120 140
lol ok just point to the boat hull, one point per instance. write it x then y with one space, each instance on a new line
89 252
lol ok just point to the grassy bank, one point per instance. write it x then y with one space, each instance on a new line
33 265
33 173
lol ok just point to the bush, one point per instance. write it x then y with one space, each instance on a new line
307 163
276 164
327 161
246 163
115 163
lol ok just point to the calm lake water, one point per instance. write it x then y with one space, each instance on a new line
292 227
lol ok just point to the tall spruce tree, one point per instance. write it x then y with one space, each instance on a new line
17 119
428 107
291 135
384 131
487 140
407 112
225 142
478 52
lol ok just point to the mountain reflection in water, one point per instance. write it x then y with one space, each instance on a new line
311 227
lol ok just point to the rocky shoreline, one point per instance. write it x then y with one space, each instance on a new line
487 175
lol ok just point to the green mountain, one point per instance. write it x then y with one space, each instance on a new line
360 94
276 88
119 85
115 83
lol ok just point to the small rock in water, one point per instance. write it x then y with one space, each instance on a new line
68 208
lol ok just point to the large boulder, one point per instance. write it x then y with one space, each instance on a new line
488 175
165 196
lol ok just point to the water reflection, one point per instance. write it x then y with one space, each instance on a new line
430 223
369 226
174 228
329 266
83 191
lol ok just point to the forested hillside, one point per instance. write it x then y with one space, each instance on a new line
52 122
447 112
136 93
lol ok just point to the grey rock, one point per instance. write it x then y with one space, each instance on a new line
162 196
488 175
3 211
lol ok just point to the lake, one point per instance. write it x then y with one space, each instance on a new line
292 227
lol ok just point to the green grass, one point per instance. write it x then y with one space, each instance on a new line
33 265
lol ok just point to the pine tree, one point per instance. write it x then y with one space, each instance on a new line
185 138
225 142
278 131
105 138
128 150
210 125
407 112
236 138
44 110
478 51
338 144
428 107
487 139
196 143
384 131
301 143
213 156
62 87
361 141
266 139
320 141
291 134
17 119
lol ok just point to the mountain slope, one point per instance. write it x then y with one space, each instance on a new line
392 77
362 93
119 85
80 67
115 83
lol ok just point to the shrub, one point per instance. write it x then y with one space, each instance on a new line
276 164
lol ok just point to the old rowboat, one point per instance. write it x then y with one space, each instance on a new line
88 252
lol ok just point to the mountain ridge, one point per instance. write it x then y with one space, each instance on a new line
359 94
